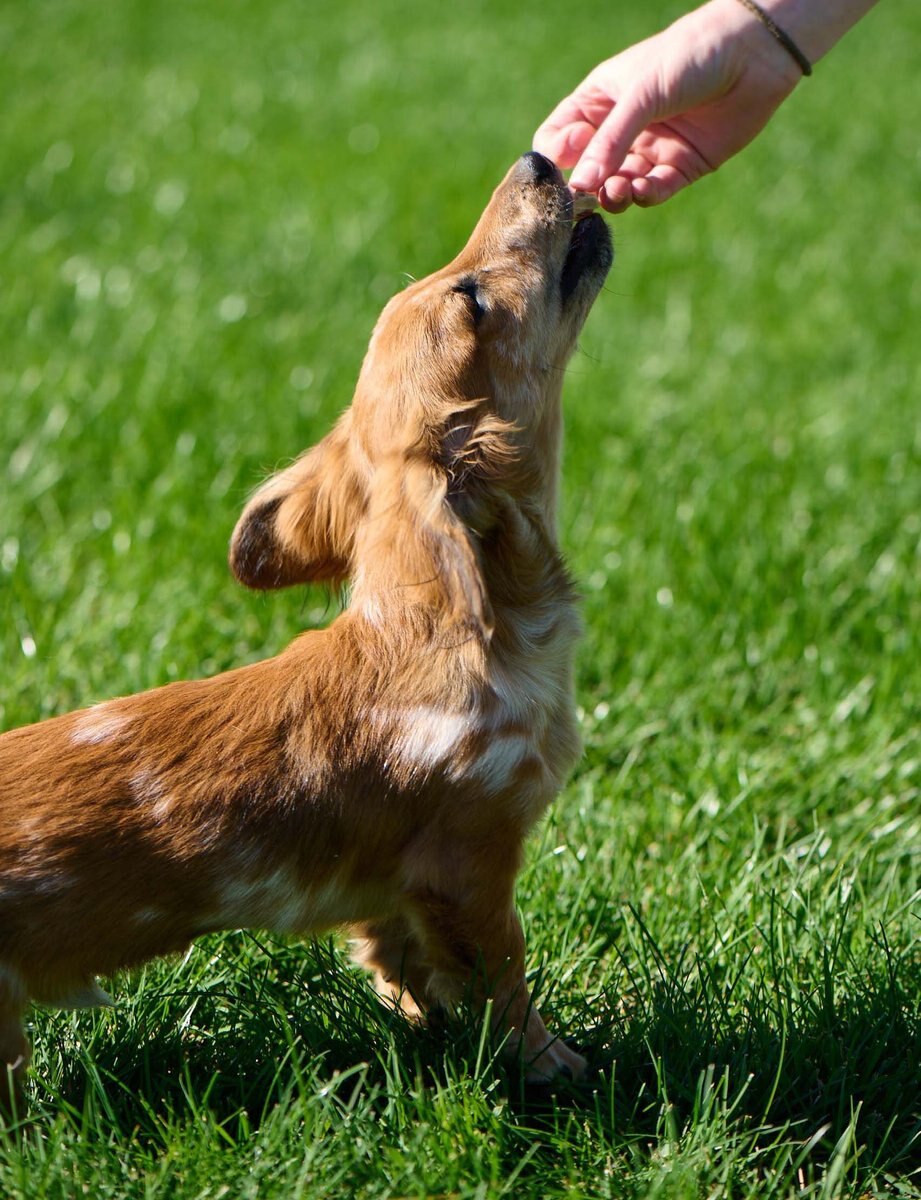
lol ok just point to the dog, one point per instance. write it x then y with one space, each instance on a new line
381 774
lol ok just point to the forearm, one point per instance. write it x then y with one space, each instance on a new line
816 25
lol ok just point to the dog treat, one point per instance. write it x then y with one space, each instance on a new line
583 203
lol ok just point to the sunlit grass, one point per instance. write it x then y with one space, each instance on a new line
203 209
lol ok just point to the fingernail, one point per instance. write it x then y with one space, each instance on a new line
586 177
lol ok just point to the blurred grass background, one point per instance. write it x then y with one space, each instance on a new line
203 208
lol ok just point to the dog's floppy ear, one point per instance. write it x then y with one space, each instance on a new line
419 544
300 526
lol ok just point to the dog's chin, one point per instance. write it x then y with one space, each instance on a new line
587 261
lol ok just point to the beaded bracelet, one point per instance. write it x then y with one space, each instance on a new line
784 38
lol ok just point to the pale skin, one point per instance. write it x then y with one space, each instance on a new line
661 114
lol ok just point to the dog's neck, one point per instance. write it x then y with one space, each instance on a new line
443 551
517 568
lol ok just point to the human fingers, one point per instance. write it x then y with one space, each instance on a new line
616 194
566 132
564 146
645 191
662 162
659 185
606 151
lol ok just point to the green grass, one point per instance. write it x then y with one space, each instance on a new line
203 208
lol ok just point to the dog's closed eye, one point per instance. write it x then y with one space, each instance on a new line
469 288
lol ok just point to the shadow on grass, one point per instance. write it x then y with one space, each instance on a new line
257 1021
836 1053
243 1041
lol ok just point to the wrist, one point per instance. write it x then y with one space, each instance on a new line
815 28
752 46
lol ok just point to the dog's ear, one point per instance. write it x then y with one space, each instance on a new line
419 544
300 526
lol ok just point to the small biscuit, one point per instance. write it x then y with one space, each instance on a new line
583 203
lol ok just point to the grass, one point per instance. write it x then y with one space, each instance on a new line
203 208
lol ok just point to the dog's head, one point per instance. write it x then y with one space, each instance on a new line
457 402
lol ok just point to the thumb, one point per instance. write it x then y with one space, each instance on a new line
565 133
611 143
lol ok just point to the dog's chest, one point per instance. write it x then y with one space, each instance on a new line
530 674
516 736
517 739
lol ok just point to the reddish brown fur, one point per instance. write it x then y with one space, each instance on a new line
383 773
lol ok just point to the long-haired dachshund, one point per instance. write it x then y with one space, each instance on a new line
383 773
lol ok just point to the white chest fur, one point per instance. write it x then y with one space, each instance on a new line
518 729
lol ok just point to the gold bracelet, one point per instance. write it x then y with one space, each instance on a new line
784 38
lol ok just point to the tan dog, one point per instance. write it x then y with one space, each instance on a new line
381 774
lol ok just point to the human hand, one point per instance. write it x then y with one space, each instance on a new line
670 109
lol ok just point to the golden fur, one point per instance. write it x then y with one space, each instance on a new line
383 773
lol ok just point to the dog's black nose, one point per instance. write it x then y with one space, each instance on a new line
540 166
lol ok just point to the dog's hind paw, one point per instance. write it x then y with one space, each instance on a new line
556 1062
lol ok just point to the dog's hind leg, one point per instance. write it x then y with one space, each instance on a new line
14 1045
389 948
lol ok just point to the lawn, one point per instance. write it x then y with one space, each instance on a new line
203 207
